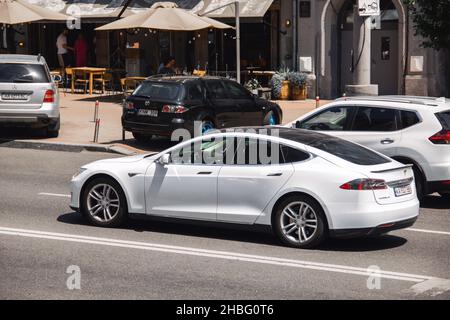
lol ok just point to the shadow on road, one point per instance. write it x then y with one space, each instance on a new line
107 98
156 144
11 133
435 202
250 234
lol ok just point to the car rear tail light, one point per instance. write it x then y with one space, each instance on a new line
365 184
129 105
446 182
173 109
442 137
49 96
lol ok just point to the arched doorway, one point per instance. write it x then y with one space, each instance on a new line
388 47
384 52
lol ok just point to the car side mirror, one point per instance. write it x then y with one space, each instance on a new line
298 124
164 160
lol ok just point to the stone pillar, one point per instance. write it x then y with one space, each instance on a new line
361 58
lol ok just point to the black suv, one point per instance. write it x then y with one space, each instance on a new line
163 104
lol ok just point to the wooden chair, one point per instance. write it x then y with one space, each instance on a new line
81 79
200 73
128 86
105 80
68 78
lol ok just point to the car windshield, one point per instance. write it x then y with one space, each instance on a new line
158 91
23 73
343 149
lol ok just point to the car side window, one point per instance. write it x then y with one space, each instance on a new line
258 152
375 119
332 119
194 92
207 152
292 155
236 91
216 90
408 119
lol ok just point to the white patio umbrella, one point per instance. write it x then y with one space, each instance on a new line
165 16
20 11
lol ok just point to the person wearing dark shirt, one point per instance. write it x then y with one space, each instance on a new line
167 67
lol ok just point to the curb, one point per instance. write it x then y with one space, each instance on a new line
67 147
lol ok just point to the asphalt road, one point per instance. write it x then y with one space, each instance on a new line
40 238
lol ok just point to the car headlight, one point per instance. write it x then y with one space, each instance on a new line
80 171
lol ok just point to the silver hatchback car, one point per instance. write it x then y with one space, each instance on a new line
28 94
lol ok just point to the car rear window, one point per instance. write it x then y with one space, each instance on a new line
23 73
158 91
343 149
444 118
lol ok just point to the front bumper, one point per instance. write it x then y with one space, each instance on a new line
364 232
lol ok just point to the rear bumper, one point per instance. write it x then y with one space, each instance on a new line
154 129
364 232
35 120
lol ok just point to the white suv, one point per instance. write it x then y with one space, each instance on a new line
28 94
412 130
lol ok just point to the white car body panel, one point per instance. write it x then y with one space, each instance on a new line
247 195
410 143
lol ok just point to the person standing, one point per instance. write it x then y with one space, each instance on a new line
167 67
63 51
81 51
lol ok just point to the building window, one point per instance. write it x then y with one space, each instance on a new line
305 9
385 48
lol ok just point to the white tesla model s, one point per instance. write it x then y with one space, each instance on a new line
305 185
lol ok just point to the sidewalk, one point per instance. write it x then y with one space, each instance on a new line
77 125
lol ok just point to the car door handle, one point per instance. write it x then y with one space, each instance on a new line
275 174
387 141
204 173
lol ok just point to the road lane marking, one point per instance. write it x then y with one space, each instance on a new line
215 254
429 231
54 195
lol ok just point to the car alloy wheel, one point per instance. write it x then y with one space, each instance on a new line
103 203
207 125
299 222
270 119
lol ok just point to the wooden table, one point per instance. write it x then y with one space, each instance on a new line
91 72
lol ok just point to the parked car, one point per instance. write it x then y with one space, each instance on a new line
411 130
318 186
28 94
163 104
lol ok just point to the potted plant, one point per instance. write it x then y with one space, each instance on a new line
253 85
280 85
298 85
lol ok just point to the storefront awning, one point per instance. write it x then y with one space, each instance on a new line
248 8
112 8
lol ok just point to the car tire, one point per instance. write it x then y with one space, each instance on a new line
271 119
143 138
103 203
52 133
288 227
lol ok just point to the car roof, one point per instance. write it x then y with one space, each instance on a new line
22 58
407 102
292 134
180 79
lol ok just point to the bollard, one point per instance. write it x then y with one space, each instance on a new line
97 104
317 102
96 130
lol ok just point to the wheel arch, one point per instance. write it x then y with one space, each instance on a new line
107 176
300 193
407 160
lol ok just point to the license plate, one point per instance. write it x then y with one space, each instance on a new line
14 96
402 191
148 113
